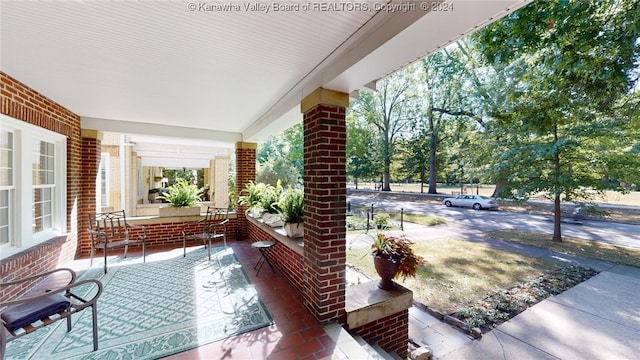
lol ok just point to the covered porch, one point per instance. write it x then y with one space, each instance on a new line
229 77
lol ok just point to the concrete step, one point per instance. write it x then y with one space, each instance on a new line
349 347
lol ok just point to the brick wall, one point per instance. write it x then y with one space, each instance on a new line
287 261
91 162
325 210
19 101
245 172
391 333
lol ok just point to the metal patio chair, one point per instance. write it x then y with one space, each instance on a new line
110 230
213 226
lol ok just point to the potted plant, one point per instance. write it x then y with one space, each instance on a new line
270 203
252 198
292 212
184 199
393 257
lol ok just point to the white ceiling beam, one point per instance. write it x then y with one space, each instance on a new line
128 127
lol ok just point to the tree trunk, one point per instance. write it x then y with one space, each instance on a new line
557 235
433 143
386 173
500 184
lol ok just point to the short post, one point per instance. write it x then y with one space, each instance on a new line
402 219
371 211
367 220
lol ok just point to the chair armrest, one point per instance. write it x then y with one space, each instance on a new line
186 224
85 303
143 236
67 289
44 274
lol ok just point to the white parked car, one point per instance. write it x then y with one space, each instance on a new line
473 201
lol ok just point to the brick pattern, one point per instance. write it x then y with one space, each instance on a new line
91 149
168 235
287 261
391 333
19 101
245 172
324 211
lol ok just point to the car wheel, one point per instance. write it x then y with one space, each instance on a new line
447 203
477 206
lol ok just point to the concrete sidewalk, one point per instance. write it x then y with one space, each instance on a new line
597 319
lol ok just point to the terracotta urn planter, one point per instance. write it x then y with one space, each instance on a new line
386 269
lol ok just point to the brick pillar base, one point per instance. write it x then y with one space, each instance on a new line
325 204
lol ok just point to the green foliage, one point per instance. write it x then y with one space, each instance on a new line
505 304
252 194
182 194
568 63
381 220
278 169
291 206
271 198
281 158
363 151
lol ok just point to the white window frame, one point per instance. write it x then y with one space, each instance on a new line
10 189
105 166
23 136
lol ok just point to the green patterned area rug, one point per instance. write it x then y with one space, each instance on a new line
159 308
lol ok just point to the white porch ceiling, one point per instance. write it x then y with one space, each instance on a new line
161 68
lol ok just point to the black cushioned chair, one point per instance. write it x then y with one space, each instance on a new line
37 310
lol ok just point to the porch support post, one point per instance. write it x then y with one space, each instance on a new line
218 181
245 172
325 209
91 150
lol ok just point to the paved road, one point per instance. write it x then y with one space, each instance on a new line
465 223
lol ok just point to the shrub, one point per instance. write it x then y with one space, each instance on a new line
182 194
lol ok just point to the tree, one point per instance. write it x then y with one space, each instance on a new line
281 157
363 154
580 57
390 110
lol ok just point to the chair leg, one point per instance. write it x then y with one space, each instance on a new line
209 248
91 261
184 246
3 341
126 248
68 321
105 259
95 326
144 253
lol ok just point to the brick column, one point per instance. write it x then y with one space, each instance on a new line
325 203
245 172
91 150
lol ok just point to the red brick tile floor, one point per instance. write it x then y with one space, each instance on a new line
295 333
